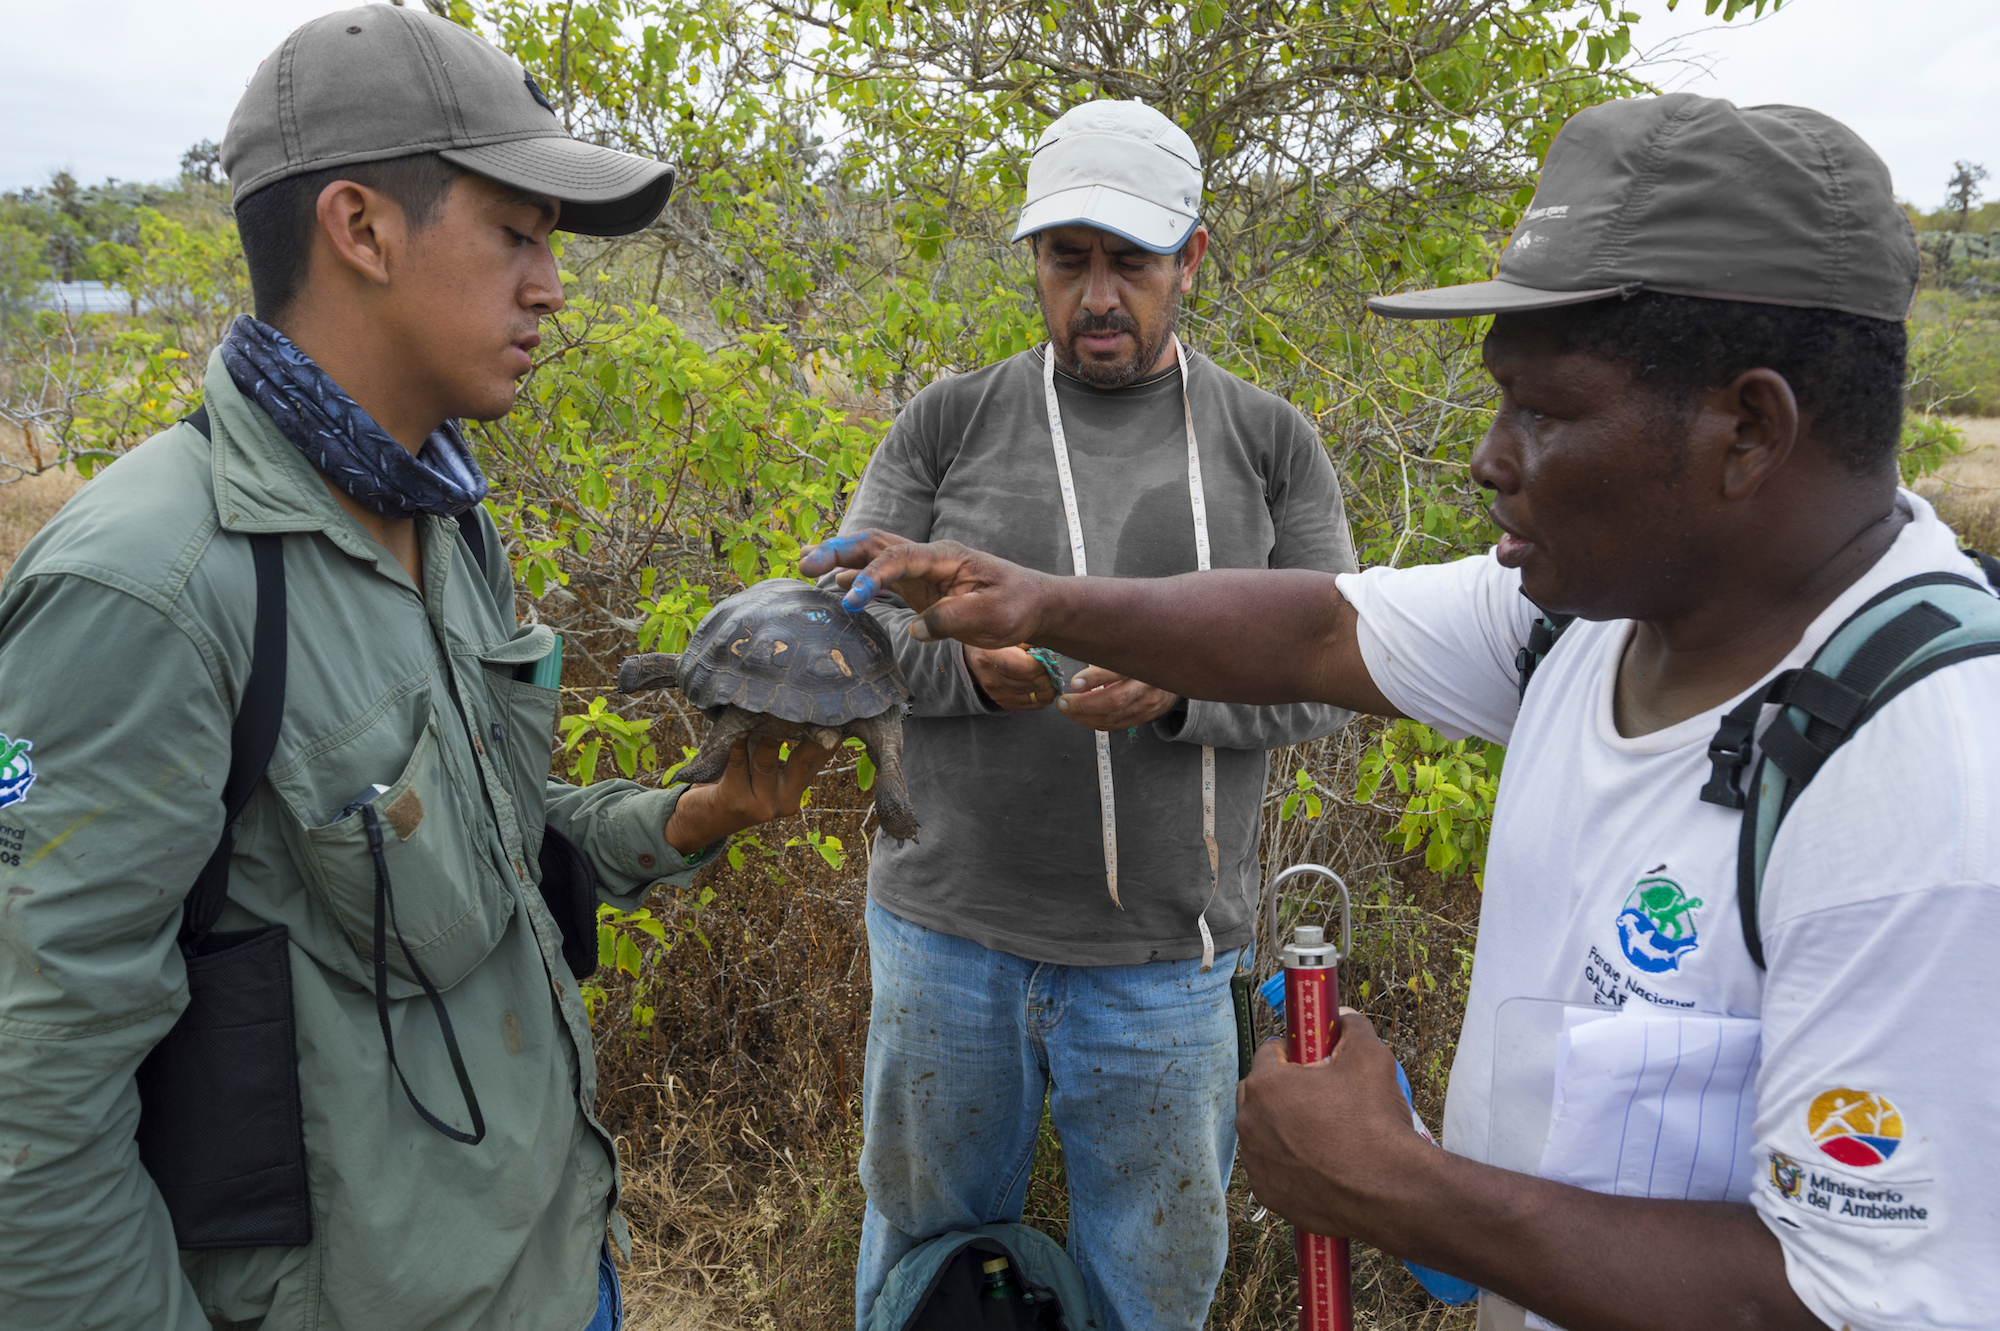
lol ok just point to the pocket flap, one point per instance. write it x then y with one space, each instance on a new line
531 644
450 905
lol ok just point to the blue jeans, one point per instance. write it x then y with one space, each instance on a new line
1138 1064
610 1302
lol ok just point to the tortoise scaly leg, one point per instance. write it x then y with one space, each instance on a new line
713 760
883 734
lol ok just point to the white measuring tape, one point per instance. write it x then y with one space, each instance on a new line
1106 797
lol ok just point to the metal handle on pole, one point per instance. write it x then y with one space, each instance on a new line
1312 1028
1271 895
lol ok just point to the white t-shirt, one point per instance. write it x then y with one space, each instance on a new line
1609 881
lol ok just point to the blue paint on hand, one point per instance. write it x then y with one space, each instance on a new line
825 555
859 594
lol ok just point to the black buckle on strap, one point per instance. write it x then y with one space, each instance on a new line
1729 751
1728 755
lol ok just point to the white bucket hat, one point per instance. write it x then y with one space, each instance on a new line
1121 167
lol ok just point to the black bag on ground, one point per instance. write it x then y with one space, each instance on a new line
941 1285
220 1125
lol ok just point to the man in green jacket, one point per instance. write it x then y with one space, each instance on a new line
396 182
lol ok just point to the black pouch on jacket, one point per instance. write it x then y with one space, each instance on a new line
569 890
219 1124
219 1119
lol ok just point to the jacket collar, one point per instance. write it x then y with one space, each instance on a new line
262 482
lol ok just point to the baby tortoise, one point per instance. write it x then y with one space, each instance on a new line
783 661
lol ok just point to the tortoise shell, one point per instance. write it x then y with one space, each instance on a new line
789 650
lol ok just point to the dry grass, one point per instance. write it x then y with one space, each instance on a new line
1966 489
26 501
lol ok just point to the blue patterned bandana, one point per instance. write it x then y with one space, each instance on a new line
344 441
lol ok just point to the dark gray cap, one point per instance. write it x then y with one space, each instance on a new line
381 81
1694 196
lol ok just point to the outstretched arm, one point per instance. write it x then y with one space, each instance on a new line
1231 635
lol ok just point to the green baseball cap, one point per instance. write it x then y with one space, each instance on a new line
382 81
1694 196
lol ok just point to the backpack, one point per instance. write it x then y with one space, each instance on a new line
937 1285
1904 633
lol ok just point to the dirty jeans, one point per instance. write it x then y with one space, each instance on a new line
1138 1064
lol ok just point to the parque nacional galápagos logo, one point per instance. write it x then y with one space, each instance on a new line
1656 928
17 770
1858 1128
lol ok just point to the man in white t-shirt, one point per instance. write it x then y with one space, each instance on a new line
1700 353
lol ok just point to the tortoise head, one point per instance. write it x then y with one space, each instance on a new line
653 670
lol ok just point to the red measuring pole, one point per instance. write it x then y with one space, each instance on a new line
1312 1028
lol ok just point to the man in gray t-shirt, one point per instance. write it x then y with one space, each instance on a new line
1004 970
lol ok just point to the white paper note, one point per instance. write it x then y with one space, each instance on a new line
1654 1106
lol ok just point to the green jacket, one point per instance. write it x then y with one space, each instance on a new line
125 635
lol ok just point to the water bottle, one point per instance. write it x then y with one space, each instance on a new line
999 1281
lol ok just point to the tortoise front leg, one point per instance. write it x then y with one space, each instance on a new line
713 759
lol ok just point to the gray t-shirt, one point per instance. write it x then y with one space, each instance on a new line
1010 854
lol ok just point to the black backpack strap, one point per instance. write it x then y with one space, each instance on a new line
1835 706
1541 640
1820 711
254 736
252 739
475 536
1988 566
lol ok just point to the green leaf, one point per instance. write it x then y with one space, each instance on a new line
628 955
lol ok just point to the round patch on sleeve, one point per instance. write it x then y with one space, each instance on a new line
1857 1128
17 770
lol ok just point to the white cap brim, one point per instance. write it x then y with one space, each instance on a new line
1141 221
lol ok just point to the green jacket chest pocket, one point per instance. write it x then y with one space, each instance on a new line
451 905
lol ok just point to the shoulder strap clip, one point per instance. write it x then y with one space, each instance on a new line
1541 640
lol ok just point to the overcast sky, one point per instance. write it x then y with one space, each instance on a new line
122 87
